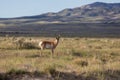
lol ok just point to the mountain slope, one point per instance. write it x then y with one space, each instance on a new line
97 12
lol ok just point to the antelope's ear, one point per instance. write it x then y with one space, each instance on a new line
59 35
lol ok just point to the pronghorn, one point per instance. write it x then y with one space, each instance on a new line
49 44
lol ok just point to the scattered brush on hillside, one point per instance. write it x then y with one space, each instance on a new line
18 43
25 44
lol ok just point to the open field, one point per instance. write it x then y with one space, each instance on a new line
74 59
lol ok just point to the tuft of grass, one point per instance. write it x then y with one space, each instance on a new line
75 53
81 53
80 62
50 69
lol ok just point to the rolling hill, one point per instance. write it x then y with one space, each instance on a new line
97 12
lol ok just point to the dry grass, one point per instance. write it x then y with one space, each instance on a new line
94 58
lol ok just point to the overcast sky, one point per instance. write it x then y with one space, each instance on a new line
18 8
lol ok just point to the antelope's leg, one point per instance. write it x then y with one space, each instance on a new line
41 52
52 54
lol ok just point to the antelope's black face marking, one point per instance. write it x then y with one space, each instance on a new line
58 37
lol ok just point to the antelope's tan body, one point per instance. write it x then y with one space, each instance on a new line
49 44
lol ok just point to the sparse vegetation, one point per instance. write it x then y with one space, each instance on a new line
72 29
74 59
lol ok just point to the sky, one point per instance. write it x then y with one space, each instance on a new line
18 8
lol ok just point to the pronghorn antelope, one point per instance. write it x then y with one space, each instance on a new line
49 44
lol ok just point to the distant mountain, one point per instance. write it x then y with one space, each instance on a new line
77 22
97 12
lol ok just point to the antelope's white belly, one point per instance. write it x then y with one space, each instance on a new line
48 46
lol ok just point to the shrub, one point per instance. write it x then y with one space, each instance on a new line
51 70
22 44
17 72
75 53
80 53
28 45
19 43
98 47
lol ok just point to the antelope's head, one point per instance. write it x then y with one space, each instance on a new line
58 37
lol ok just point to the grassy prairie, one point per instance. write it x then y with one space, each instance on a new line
74 59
